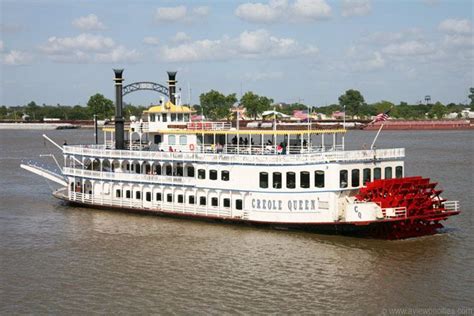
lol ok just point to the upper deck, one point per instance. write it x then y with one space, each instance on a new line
311 156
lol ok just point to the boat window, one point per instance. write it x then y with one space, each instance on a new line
343 178
171 139
264 180
213 174
319 179
152 117
225 175
180 198
377 173
158 196
148 196
304 179
169 170
366 175
202 200
157 139
158 117
138 195
291 180
180 117
183 140
186 117
191 199
179 170
226 202
128 194
190 171
169 197
173 117
238 204
118 193
399 171
201 174
214 201
165 117
355 178
157 169
388 172
277 180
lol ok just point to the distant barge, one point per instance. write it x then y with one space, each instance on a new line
422 125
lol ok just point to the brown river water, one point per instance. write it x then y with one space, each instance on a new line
58 259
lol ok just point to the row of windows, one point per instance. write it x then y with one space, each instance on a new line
180 198
367 175
179 171
180 117
305 182
225 176
183 140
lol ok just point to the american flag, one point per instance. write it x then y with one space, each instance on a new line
381 117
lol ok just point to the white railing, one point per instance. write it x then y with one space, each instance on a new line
209 126
395 212
151 206
99 151
451 206
120 176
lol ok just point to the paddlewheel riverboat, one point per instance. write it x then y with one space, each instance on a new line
266 173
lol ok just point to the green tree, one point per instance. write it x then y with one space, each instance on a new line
255 104
32 109
471 96
100 105
438 110
352 100
215 105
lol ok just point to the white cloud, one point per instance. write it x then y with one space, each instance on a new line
458 26
180 13
181 37
87 48
263 76
170 14
82 42
281 10
261 13
311 9
88 23
201 11
116 55
356 7
409 48
150 40
374 62
16 58
249 44
458 40
381 38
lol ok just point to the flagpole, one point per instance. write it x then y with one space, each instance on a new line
376 136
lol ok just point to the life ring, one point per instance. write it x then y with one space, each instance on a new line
191 147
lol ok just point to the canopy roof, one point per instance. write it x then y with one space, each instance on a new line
169 107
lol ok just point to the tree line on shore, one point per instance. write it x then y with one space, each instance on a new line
215 105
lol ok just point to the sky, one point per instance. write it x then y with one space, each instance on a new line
309 51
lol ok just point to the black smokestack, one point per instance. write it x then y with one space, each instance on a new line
172 85
119 122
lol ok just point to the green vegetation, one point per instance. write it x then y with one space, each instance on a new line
215 105
255 104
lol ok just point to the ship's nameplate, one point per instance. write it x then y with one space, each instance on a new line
289 205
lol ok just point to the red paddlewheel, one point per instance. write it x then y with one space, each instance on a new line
416 194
